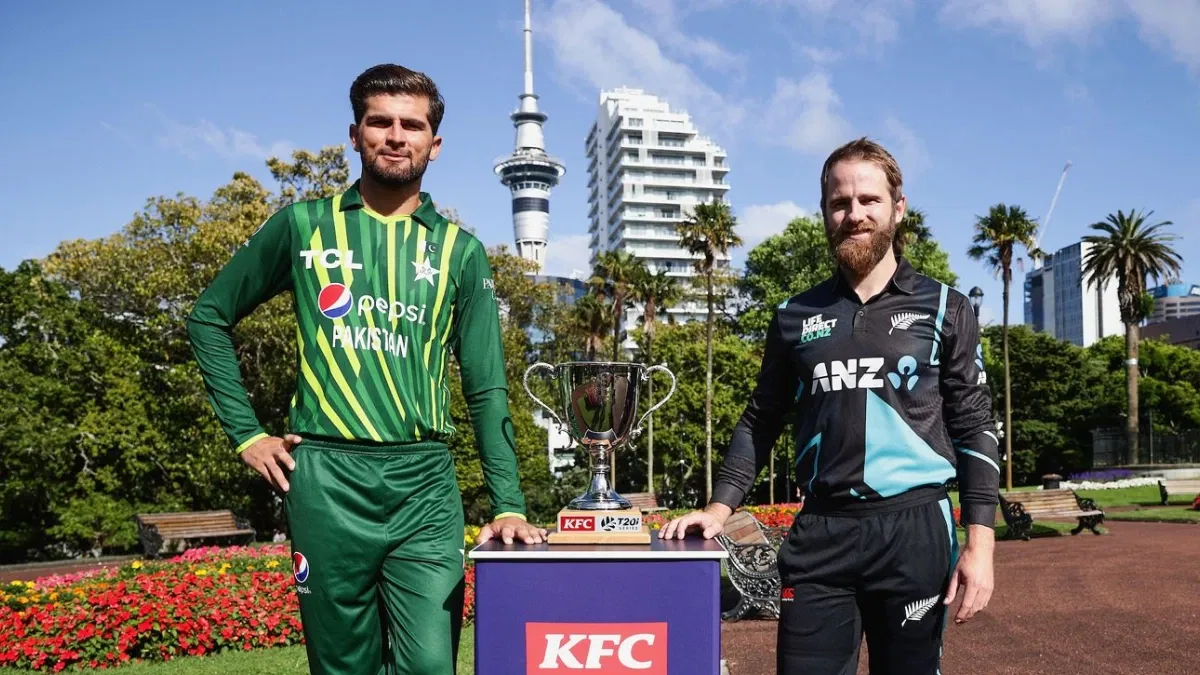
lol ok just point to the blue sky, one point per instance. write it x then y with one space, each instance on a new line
983 101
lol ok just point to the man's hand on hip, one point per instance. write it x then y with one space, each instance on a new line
974 573
510 528
267 455
710 522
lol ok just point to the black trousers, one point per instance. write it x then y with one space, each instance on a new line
882 573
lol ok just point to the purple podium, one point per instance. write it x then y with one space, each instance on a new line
651 609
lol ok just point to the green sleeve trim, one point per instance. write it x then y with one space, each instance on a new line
250 441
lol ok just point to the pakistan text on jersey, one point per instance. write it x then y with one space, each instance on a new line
374 339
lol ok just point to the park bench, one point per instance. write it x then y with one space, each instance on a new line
1020 509
156 529
1189 487
752 565
646 501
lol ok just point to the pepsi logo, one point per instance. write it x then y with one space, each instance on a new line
299 567
335 301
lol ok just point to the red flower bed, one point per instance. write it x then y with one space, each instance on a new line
1196 503
207 600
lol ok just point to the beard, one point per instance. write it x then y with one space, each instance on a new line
390 175
860 257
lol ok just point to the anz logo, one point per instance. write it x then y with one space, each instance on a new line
864 373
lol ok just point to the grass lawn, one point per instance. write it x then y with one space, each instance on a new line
275 661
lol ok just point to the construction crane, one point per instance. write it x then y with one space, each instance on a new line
1037 261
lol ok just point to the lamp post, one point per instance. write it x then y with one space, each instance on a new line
976 295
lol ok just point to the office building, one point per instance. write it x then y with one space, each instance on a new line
648 166
1174 301
1058 301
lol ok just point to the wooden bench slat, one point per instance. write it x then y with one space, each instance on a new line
1021 508
157 528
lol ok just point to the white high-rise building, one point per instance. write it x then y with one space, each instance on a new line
648 166
529 172
1058 300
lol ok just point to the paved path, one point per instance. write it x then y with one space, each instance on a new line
1124 603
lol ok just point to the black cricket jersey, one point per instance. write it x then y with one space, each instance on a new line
891 395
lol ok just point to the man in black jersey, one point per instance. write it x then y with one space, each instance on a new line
886 370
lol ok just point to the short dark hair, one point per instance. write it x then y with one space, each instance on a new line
867 150
389 78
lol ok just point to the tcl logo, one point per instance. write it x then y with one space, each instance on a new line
608 648
577 523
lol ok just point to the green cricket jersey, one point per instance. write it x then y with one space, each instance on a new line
380 304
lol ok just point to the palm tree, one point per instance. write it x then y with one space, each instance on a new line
613 275
1129 250
591 321
911 229
709 232
996 236
656 292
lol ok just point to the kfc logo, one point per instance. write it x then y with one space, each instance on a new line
576 523
609 648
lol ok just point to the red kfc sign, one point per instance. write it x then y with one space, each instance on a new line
608 648
576 523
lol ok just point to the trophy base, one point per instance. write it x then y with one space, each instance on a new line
623 526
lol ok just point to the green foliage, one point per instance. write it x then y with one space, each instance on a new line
798 258
96 522
679 425
781 266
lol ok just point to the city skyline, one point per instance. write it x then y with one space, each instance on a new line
178 100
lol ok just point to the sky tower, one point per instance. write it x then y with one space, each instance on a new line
529 172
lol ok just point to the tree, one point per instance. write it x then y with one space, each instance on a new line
1054 416
656 292
1129 250
996 236
709 232
798 258
781 266
614 276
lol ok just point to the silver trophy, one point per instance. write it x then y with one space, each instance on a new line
599 400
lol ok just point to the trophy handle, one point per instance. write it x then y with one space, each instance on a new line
525 382
646 376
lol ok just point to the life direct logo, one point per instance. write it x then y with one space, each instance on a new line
335 301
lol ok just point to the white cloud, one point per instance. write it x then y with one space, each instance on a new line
759 221
908 148
568 254
876 22
596 45
805 114
192 140
1037 20
821 56
1170 25
666 17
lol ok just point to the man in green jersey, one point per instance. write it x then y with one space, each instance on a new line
385 289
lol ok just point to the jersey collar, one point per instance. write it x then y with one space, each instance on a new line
425 214
904 279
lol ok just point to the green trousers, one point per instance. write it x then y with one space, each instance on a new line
377 557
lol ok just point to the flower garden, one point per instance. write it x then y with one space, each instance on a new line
204 601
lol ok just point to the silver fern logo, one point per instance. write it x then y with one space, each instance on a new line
915 611
905 320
